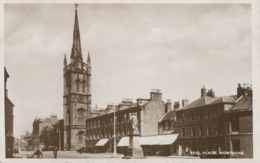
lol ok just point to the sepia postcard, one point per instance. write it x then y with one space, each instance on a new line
125 80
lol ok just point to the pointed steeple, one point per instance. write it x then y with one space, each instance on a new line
65 60
89 61
76 54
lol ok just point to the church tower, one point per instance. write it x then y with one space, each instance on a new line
77 93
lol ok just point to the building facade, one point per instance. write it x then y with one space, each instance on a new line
239 125
167 126
200 123
101 127
39 125
210 124
77 93
9 119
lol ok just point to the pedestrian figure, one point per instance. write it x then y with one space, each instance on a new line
38 153
55 152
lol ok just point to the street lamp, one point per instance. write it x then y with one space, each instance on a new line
114 130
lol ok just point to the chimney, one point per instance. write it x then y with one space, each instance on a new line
184 102
245 89
168 106
239 90
156 95
211 93
176 105
250 91
203 91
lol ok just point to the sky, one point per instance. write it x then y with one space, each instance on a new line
134 48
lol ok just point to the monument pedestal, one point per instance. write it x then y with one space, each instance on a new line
134 151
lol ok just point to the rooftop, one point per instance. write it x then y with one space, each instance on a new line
244 103
208 100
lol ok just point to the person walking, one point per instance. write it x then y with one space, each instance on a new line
55 152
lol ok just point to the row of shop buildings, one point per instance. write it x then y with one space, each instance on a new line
207 124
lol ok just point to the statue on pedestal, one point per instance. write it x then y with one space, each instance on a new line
134 123
134 149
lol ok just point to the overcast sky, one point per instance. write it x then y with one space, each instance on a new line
134 48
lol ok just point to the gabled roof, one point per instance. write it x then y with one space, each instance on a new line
208 100
224 99
202 101
168 116
242 104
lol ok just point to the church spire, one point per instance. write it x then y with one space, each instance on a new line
89 61
76 54
65 60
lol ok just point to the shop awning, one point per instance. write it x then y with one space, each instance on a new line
101 142
169 139
151 140
123 142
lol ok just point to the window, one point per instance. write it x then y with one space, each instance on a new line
219 131
200 115
207 114
83 85
81 115
201 131
80 136
217 113
77 84
166 125
208 130
163 123
193 116
125 120
68 117
234 125
193 131
182 117
183 132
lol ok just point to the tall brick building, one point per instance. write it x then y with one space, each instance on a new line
9 120
77 93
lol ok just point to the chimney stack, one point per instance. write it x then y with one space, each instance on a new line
203 91
211 93
156 95
239 90
176 105
185 102
168 106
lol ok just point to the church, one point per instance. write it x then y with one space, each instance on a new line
77 93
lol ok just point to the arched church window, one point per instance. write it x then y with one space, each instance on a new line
81 115
80 136
67 117
83 85
77 84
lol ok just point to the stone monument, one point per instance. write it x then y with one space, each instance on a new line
134 149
